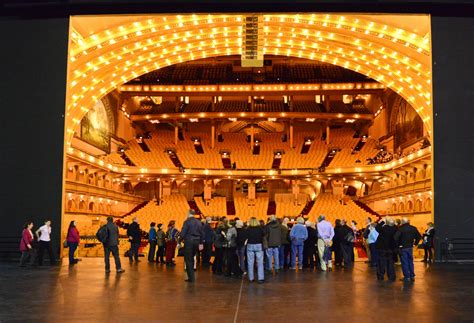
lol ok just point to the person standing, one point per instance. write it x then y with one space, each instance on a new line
220 242
298 235
26 245
336 244
152 241
346 238
172 236
44 239
233 267
208 235
110 241
325 236
365 236
134 236
371 240
309 248
254 235
273 234
428 243
386 246
73 238
241 249
284 252
161 242
193 236
407 236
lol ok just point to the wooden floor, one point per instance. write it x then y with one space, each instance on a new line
156 293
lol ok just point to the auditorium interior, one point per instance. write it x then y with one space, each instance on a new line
247 115
142 109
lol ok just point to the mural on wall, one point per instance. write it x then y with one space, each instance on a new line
408 124
95 127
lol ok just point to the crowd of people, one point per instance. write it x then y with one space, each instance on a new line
251 249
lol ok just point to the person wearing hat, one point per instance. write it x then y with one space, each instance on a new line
161 243
193 236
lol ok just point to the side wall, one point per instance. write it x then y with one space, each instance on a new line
453 93
32 100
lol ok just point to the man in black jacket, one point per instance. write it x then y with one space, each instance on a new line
346 238
406 237
193 236
111 246
385 246
273 235
134 236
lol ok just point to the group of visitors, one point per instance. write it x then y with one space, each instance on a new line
241 248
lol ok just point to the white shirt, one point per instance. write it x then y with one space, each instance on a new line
45 232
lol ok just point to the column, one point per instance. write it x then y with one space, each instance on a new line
291 135
213 135
213 103
327 134
251 137
252 104
176 130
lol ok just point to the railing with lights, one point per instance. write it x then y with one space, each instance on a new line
301 172
253 87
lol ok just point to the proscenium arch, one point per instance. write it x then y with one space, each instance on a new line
109 58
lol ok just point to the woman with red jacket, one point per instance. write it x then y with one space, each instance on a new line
26 246
73 240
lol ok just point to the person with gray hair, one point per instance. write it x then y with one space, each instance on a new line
325 235
298 235
386 246
407 236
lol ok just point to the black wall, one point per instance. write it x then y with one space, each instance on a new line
453 92
32 97
33 61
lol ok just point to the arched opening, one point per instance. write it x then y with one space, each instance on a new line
409 206
91 207
418 205
401 207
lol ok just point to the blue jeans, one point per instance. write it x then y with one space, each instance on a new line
241 255
255 251
72 250
373 254
297 247
273 254
282 255
406 258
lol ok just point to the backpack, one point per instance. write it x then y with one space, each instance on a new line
102 234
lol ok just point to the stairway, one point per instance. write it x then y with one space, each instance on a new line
329 157
366 208
307 208
193 206
230 206
135 209
271 208
127 160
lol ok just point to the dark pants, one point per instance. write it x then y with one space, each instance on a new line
115 252
337 248
232 262
45 245
170 251
206 254
151 252
28 256
218 261
160 254
428 253
347 254
133 253
72 250
406 257
309 254
373 254
191 247
385 264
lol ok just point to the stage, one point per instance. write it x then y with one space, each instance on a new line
150 292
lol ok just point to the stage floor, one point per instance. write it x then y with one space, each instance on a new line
149 292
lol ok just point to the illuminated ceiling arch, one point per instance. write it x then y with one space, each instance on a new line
107 58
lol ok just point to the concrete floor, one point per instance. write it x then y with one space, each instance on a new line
156 293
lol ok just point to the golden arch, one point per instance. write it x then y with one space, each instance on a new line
108 58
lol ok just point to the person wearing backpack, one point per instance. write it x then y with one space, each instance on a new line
108 235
